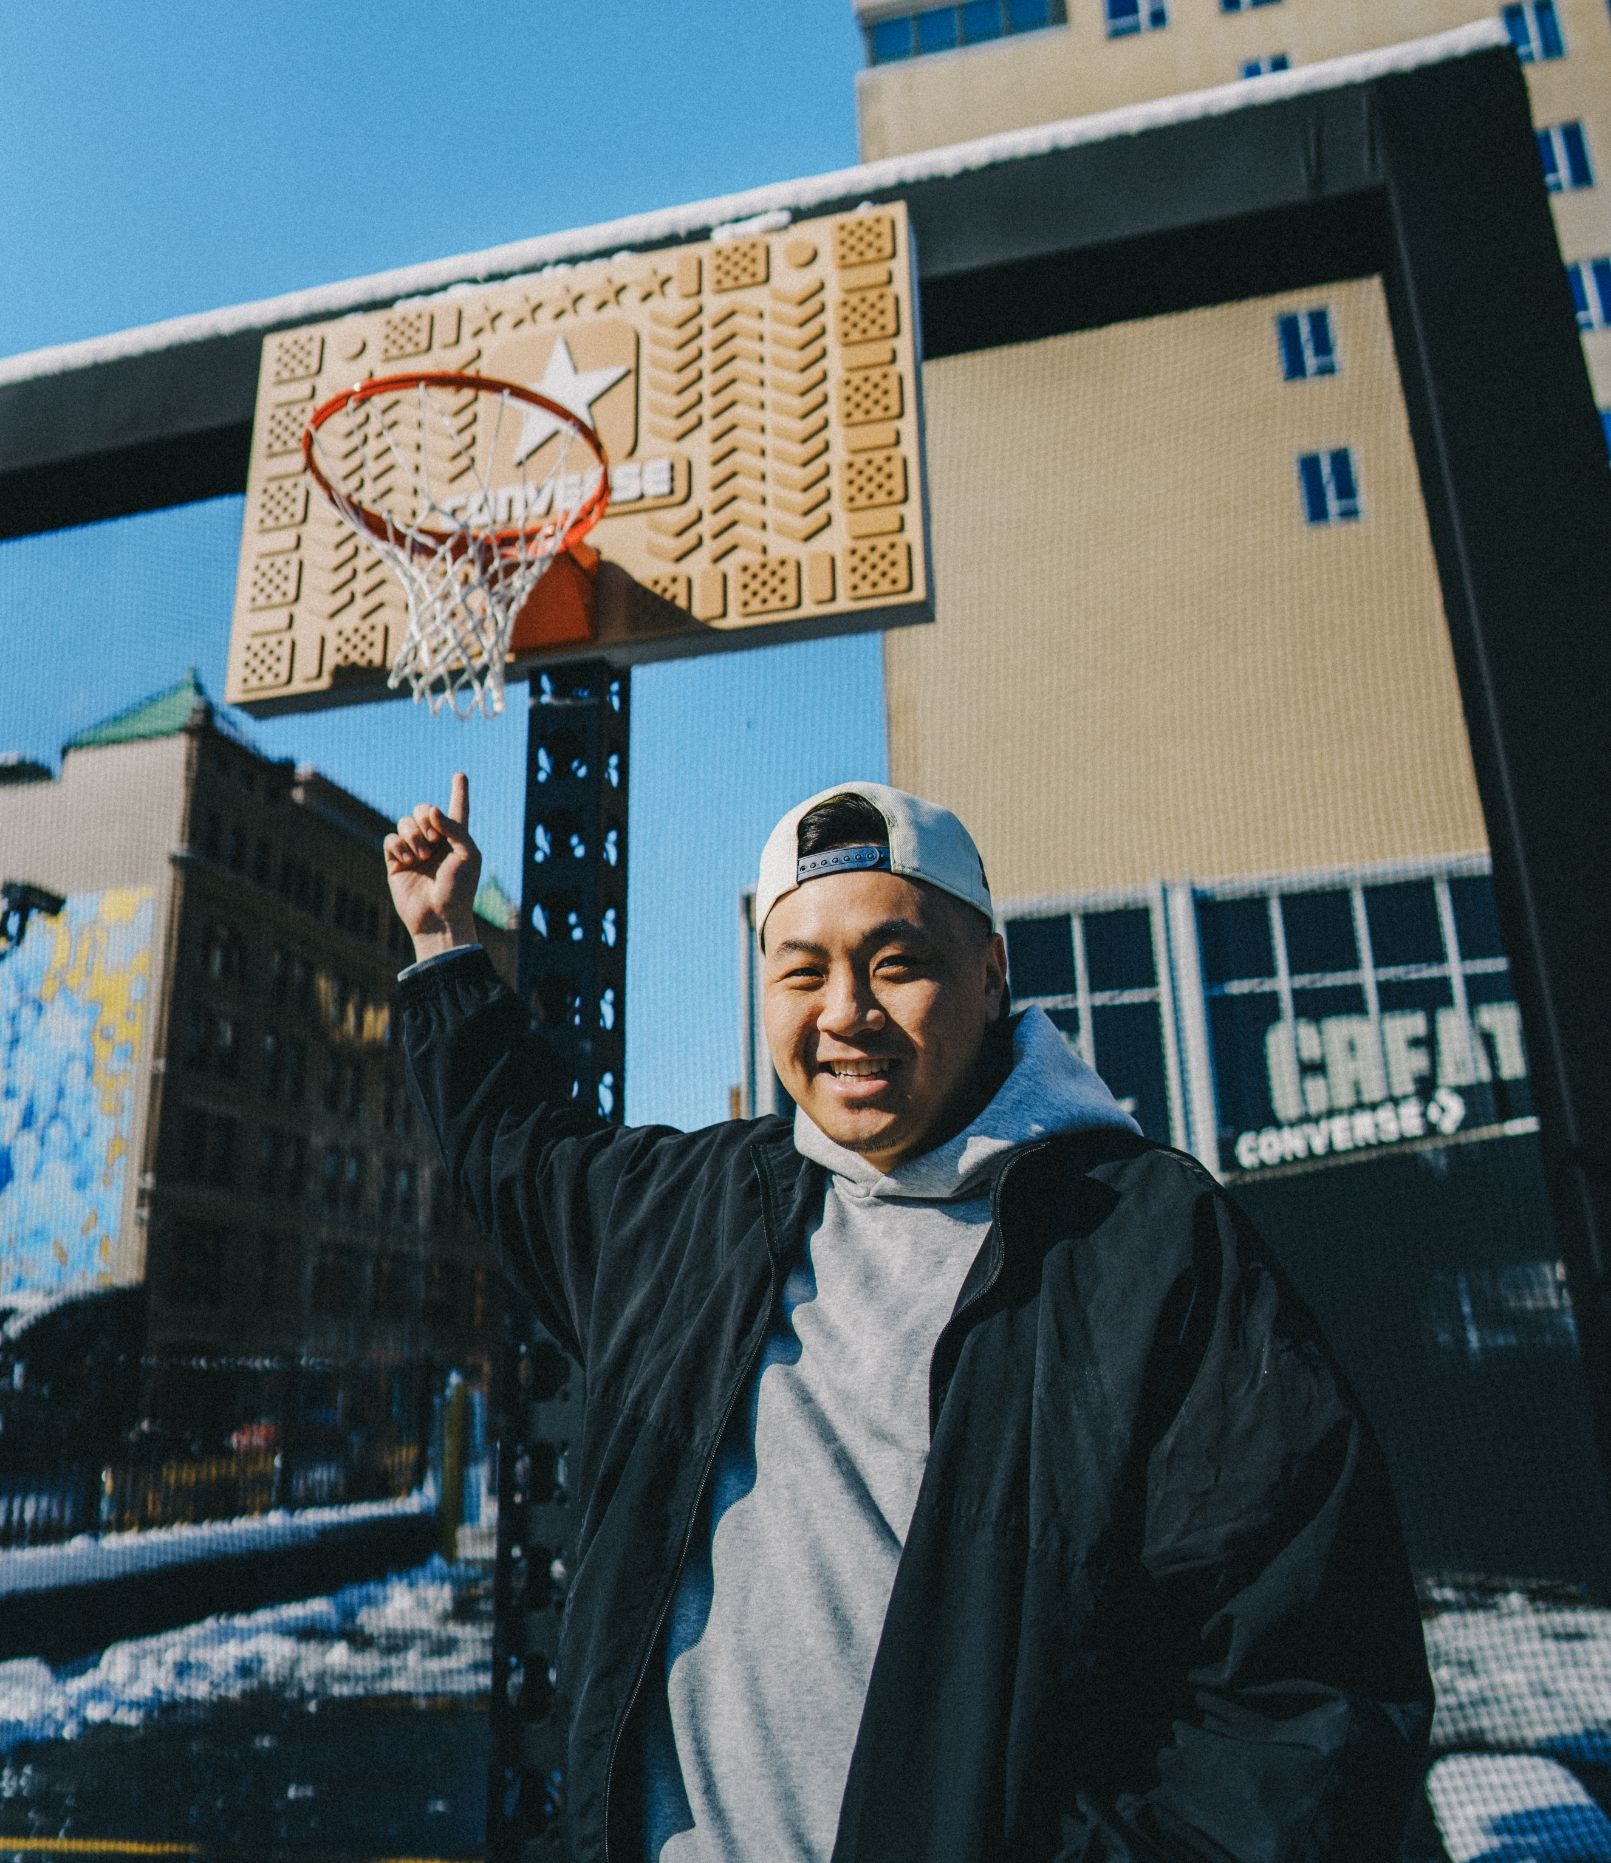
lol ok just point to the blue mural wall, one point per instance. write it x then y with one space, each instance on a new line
74 995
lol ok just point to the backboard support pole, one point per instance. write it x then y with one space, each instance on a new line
571 956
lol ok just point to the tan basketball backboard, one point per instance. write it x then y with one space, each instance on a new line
758 400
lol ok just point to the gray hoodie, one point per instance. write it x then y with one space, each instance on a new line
778 1611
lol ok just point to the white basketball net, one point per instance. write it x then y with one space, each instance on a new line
412 473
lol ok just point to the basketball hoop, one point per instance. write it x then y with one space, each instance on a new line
469 488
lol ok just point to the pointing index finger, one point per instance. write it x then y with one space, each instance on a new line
459 807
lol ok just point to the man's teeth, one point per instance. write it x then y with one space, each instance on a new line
858 1070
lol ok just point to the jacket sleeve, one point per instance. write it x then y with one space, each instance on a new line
536 1169
1283 1690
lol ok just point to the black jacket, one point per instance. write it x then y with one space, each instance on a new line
1153 1606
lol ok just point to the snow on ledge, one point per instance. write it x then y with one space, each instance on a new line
697 219
91 1560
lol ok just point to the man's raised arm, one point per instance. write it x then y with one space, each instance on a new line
521 1154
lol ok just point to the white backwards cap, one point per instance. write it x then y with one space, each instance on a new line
926 843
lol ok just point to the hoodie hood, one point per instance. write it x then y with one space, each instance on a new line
1049 1089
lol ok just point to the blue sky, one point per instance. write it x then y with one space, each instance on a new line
162 160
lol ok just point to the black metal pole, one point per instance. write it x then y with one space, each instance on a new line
1494 373
572 976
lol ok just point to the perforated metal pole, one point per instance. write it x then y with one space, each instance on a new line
572 975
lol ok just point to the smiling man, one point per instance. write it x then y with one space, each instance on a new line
959 1479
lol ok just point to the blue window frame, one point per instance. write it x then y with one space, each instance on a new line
1127 16
1605 426
1590 280
890 39
1564 151
1237 6
1330 486
1535 30
937 29
1307 343
1262 67
960 22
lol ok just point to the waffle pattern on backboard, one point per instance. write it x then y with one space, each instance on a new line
758 401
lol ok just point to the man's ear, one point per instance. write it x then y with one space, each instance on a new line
996 975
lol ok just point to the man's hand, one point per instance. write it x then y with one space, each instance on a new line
433 869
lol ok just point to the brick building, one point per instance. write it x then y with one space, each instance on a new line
306 1279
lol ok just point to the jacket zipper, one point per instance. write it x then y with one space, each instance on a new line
954 1324
739 1384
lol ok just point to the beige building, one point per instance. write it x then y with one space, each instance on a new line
1190 680
229 1131
1008 64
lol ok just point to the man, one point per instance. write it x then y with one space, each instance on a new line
959 1480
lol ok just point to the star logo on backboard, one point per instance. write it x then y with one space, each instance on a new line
573 388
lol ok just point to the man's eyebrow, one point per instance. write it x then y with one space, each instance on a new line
892 929
886 931
798 944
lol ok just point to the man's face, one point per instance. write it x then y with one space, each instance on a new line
878 993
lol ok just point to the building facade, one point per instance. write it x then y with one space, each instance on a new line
945 74
219 977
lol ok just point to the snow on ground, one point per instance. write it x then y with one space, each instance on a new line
1515 1808
93 1559
389 1637
1520 1673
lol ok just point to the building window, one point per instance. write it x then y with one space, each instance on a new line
285 1067
1297 1021
294 1167
268 1161
397 1201
212 1043
937 29
1262 67
1564 151
330 1177
352 1183
337 1277
1330 486
890 39
943 28
1127 16
222 956
344 1087
1535 30
1357 1013
440 1289
1237 6
394 1287
207 1147
269 1292
1097 974
195 1276
1590 280
1307 343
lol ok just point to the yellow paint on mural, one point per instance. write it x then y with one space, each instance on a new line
76 993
